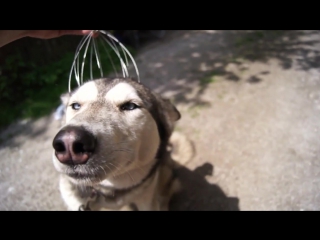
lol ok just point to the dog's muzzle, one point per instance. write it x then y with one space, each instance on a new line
73 145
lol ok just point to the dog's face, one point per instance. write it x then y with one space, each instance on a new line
112 126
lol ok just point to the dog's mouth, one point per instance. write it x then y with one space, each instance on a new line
85 175
79 175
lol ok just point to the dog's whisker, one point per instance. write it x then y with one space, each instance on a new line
118 150
119 143
141 169
113 176
122 150
114 166
110 170
125 171
130 176
103 170
112 151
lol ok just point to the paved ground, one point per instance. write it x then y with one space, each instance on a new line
250 102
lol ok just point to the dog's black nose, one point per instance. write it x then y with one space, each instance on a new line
73 145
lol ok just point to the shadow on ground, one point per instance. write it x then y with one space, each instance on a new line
199 195
13 135
198 59
189 64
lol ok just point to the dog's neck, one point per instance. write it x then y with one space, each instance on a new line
137 174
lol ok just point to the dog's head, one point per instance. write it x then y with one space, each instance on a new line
113 126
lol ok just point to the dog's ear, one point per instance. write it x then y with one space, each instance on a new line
65 98
171 111
166 115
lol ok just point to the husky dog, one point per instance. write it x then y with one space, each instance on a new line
112 152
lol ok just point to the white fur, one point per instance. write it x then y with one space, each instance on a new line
122 93
86 94
136 128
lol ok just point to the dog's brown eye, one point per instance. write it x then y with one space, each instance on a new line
75 106
128 106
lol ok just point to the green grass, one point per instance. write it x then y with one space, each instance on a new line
195 110
177 129
32 90
257 35
207 80
250 38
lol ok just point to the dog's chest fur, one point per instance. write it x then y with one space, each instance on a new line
159 187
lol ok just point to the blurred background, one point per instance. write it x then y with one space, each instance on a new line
249 99
34 72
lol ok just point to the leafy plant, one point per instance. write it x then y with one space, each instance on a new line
29 89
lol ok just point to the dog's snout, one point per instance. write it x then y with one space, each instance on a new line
73 145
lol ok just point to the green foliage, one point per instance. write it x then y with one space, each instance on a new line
31 90
257 35
207 80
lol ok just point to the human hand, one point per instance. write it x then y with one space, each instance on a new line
7 36
47 34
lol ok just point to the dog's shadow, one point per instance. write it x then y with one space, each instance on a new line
198 194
